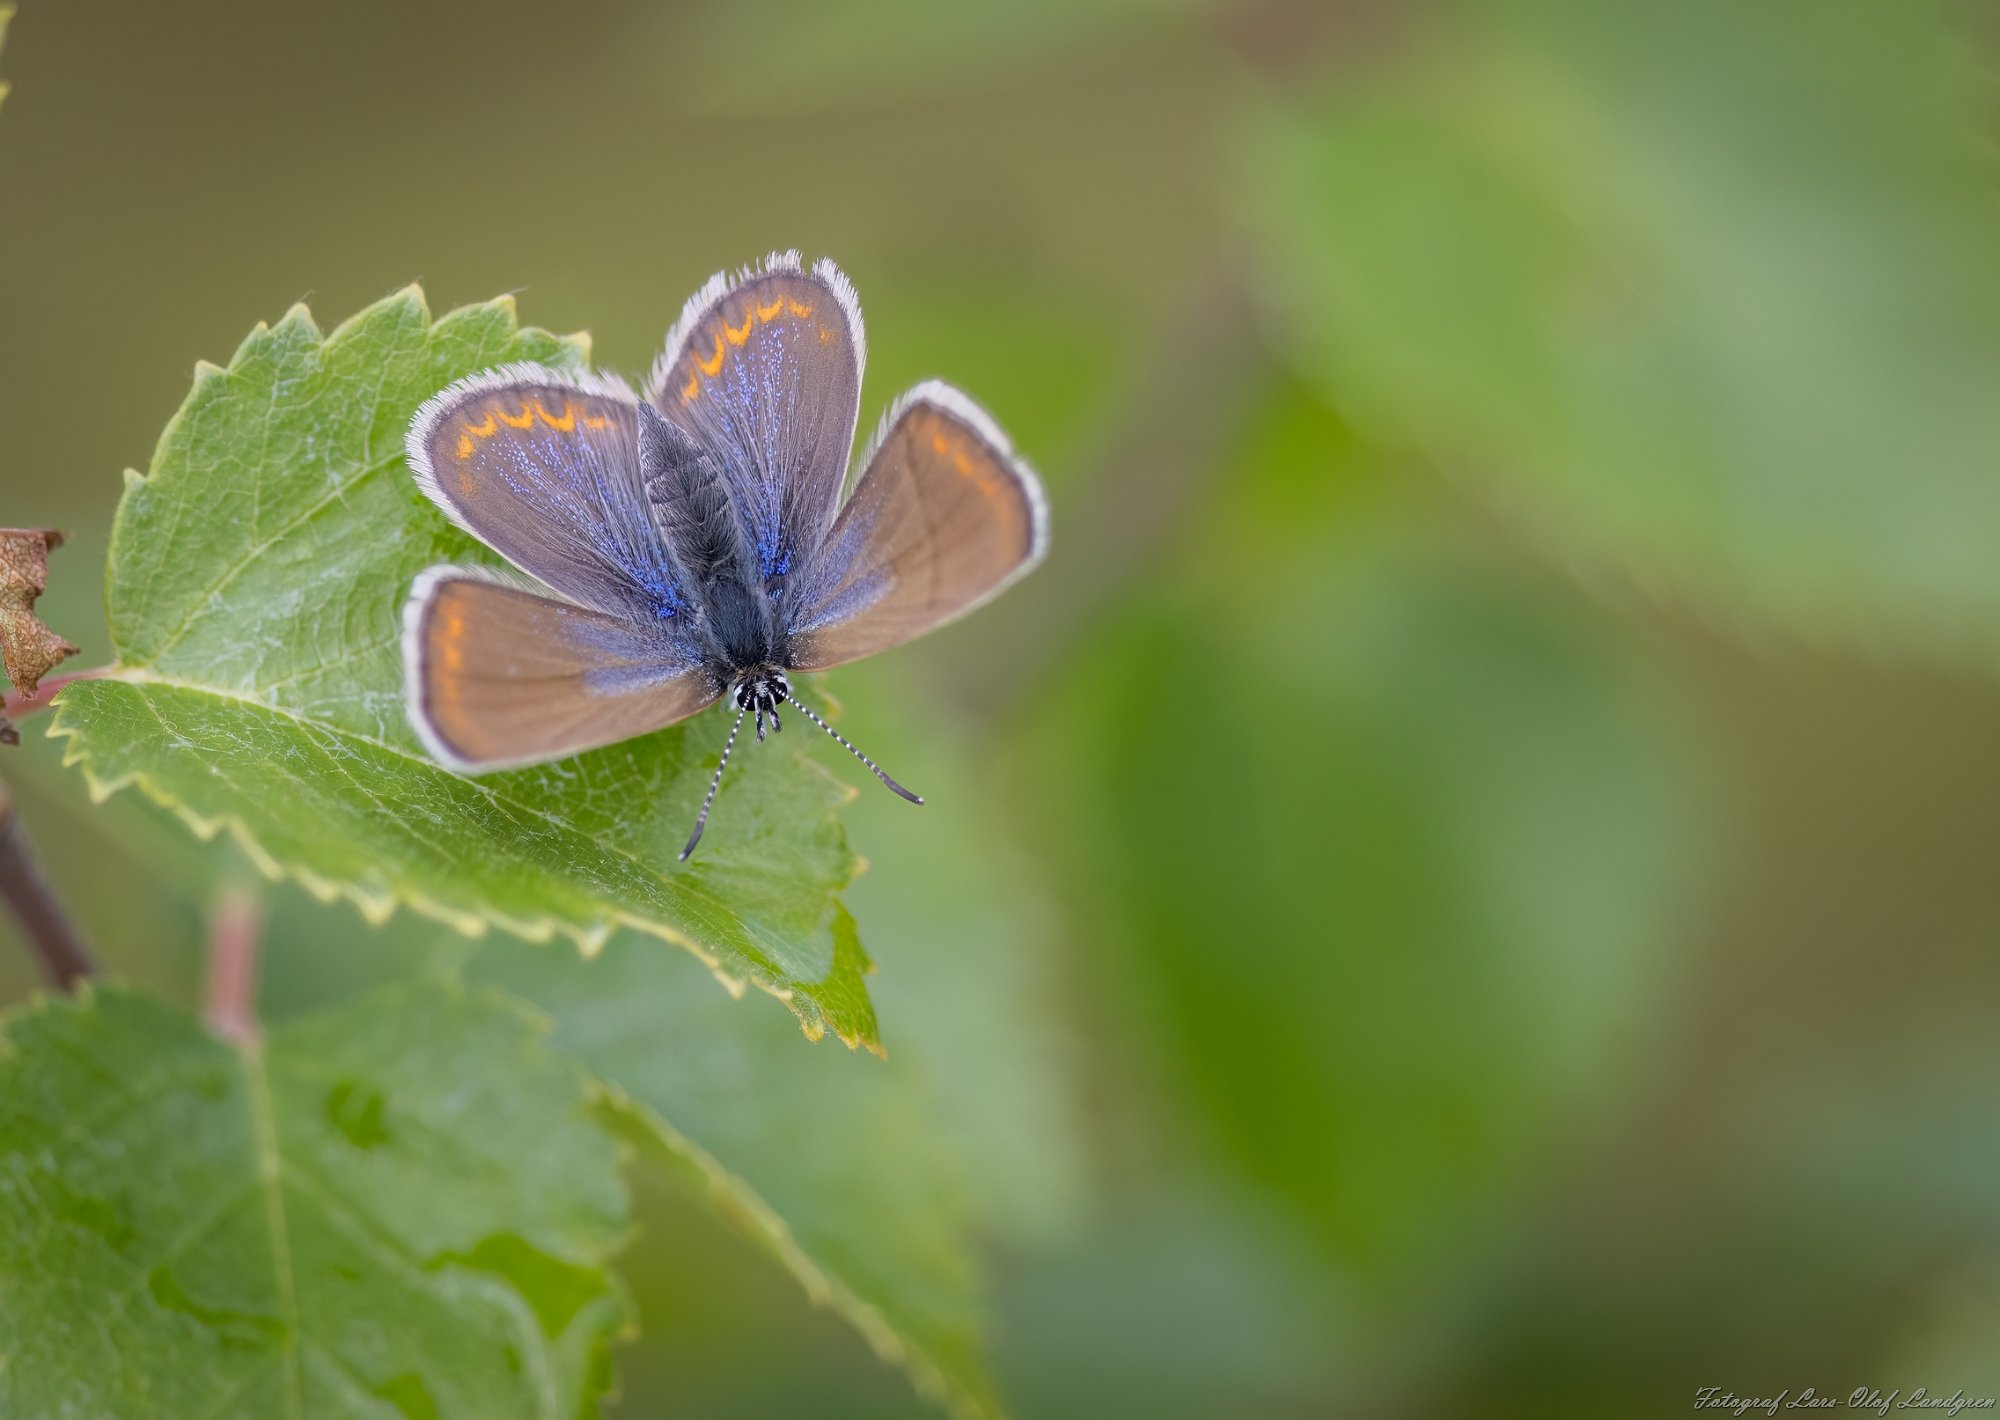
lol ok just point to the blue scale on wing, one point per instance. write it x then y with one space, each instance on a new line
758 458
593 513
765 373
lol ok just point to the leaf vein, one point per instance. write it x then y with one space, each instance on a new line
264 1131
331 497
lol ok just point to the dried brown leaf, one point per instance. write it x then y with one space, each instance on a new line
28 648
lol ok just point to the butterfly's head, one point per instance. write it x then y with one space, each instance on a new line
760 690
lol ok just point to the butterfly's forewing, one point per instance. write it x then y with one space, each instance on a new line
543 467
765 372
942 519
498 675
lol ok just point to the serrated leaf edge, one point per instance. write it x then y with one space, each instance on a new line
299 317
377 908
744 1208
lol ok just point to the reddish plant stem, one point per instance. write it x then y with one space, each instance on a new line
52 934
235 937
18 704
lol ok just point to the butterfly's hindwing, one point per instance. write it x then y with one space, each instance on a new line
499 675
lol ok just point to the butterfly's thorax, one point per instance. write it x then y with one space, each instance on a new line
737 623
742 627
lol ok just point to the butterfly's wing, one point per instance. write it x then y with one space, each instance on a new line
543 467
943 518
498 675
764 371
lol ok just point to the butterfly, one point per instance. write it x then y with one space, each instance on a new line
692 545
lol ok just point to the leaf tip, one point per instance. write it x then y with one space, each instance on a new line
100 789
411 298
590 940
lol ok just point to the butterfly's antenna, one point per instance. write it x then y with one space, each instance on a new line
806 711
714 784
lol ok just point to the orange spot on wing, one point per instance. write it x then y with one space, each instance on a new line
690 390
484 429
466 483
465 446
737 337
766 313
801 309
599 421
521 421
713 365
452 653
940 444
568 421
825 336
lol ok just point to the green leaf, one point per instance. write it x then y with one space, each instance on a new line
831 1163
1706 302
875 1184
256 580
399 1206
827 1161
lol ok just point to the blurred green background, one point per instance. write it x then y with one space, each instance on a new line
1467 884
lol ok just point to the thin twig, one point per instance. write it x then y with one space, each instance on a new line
52 934
235 936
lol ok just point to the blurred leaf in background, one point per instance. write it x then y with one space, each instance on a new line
1390 842
1707 290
